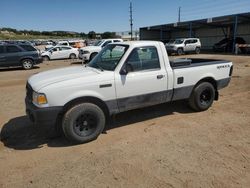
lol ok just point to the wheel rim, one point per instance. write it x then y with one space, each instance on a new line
85 124
206 97
180 51
72 56
27 64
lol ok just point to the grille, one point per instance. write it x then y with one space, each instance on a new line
29 92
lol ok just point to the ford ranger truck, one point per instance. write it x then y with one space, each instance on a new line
122 77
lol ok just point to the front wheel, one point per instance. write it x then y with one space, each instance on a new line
180 51
72 56
83 123
202 96
27 64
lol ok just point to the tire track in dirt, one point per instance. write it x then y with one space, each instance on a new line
12 83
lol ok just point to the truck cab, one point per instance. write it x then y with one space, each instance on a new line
89 52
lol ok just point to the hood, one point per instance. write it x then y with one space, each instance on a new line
40 80
91 48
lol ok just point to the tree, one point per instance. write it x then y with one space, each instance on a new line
91 35
108 34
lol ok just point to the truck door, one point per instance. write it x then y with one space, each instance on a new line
2 56
12 55
145 83
56 53
187 46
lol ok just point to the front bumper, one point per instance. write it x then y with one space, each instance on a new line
171 50
84 57
42 116
39 60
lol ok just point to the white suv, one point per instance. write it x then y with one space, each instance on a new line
183 45
89 52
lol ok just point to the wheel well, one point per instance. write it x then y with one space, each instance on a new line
27 58
93 53
46 56
93 100
211 81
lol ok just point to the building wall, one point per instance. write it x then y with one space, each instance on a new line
208 35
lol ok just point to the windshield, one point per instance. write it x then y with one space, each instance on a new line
171 41
178 41
98 43
109 57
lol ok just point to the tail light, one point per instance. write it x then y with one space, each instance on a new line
231 71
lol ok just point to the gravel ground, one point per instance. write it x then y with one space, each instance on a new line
166 145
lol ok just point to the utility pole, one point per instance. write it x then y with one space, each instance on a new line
179 15
131 19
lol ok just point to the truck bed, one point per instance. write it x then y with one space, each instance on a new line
194 62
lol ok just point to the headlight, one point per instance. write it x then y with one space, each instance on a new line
39 98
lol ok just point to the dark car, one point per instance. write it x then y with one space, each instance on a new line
19 55
226 44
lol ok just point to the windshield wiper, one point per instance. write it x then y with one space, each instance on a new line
99 67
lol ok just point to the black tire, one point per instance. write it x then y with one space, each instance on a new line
72 56
202 97
83 123
46 58
179 51
197 50
27 64
92 56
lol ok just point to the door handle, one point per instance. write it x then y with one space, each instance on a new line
160 76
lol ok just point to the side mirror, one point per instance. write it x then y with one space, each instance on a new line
126 69
123 71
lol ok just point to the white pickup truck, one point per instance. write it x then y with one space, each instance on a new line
123 76
87 53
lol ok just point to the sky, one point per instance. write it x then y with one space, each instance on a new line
109 15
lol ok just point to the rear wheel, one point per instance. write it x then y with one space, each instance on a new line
27 64
197 50
202 96
180 51
83 123
92 56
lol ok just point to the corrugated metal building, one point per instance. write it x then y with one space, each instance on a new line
210 30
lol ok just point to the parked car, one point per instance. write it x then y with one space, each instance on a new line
122 77
183 45
89 52
60 52
19 55
226 44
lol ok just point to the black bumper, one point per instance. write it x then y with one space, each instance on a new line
42 116
38 60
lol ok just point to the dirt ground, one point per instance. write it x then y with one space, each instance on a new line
166 145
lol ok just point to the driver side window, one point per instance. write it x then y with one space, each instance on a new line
145 58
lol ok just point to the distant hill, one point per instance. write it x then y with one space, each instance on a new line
13 34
